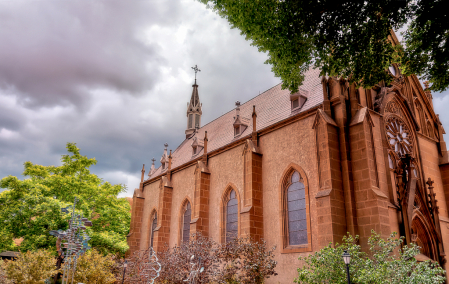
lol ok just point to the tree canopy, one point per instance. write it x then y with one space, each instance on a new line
348 38
32 207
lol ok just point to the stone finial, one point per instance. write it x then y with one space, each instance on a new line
143 173
164 158
205 148
254 134
169 167
152 169
237 109
428 92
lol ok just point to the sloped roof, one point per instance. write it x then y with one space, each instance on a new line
272 106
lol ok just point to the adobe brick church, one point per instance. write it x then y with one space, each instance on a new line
300 170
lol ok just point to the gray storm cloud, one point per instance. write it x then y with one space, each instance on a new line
114 77
53 52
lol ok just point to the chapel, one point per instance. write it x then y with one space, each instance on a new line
302 170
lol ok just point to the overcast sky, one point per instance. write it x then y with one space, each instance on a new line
114 76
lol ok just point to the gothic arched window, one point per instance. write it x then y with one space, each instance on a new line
153 228
296 208
186 218
231 216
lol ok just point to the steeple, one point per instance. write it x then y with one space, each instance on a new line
194 109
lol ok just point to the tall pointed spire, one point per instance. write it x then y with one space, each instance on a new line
194 111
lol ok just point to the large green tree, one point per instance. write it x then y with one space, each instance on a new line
31 207
347 38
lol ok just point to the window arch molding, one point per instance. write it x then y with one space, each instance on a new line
224 202
425 234
182 211
284 184
152 227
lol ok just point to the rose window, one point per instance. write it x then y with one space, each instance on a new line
399 136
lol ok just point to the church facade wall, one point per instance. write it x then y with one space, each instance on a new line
289 146
151 193
429 156
345 160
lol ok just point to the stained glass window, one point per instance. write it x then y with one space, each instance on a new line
296 208
231 217
186 223
153 228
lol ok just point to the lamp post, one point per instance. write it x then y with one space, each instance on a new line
347 260
124 270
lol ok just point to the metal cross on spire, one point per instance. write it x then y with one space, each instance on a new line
196 69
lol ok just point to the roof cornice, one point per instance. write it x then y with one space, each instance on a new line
292 119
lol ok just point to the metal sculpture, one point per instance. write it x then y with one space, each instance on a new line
195 270
154 267
72 243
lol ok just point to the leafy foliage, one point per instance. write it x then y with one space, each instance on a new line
93 267
388 261
3 277
6 239
31 267
348 38
32 207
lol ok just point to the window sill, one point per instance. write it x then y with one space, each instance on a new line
298 248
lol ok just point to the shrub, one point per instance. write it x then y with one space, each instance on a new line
389 261
3 278
93 267
31 267
238 261
245 261
177 263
